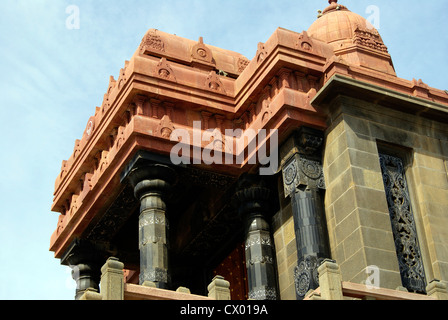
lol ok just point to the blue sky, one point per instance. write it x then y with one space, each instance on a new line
53 77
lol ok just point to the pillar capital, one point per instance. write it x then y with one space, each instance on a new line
85 259
301 161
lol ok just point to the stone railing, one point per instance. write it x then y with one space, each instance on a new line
333 288
113 287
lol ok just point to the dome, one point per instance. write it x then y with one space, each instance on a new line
336 24
352 37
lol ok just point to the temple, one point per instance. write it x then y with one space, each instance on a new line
310 172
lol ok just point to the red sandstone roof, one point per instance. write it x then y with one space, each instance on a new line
192 53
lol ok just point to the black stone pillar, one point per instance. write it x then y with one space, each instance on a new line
85 259
151 183
303 181
253 206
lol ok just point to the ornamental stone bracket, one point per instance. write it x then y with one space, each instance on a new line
302 168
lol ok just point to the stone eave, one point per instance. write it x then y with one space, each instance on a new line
138 78
257 87
340 85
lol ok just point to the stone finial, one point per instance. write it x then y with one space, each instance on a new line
330 280
219 289
437 289
112 280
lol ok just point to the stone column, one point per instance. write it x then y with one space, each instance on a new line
85 260
151 183
303 181
260 263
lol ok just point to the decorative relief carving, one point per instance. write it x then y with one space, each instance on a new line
403 224
201 52
261 52
89 128
304 42
264 103
369 38
242 64
115 217
61 225
309 143
306 276
122 78
163 70
165 127
284 77
263 293
152 42
201 178
214 83
258 240
77 149
302 172
155 275
88 185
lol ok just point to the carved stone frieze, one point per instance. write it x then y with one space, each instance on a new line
115 217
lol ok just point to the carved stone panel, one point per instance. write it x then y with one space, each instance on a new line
301 172
403 224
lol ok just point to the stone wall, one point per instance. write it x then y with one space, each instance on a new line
285 246
356 207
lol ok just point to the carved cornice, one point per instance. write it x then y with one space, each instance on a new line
273 85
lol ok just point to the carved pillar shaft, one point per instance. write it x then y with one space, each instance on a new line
403 224
151 182
303 181
259 247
